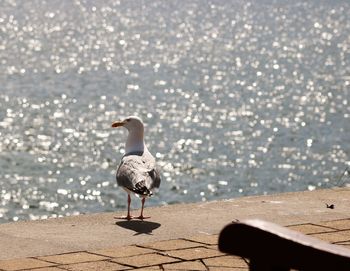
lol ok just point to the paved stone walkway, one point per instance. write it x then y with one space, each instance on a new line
196 253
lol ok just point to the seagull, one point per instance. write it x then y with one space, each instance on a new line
137 172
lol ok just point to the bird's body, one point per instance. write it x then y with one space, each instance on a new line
137 172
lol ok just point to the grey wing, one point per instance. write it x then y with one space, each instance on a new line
125 176
133 175
153 171
155 176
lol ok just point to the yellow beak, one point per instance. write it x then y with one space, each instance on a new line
118 124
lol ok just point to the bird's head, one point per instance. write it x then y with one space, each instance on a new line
131 123
135 127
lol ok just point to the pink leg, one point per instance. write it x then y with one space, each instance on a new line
141 215
128 217
129 202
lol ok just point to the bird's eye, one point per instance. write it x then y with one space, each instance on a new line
127 120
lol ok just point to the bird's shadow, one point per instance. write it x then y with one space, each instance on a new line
139 226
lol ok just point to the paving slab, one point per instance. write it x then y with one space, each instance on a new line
226 261
47 269
342 224
171 244
152 268
227 269
189 265
334 237
345 244
310 228
75 257
145 260
127 251
101 231
174 254
99 265
20 264
208 239
194 253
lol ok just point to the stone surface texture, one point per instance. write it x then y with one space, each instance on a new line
166 242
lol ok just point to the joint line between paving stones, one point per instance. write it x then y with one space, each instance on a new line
110 260
313 224
126 265
60 265
325 232
110 257
206 267
163 253
341 242
342 230
114 260
200 243
324 225
45 261
66 253
160 250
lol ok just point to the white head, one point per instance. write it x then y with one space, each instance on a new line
135 127
130 123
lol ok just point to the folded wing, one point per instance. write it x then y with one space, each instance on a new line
138 173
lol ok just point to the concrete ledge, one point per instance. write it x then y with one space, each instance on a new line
101 231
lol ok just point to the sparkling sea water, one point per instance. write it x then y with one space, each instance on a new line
238 97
